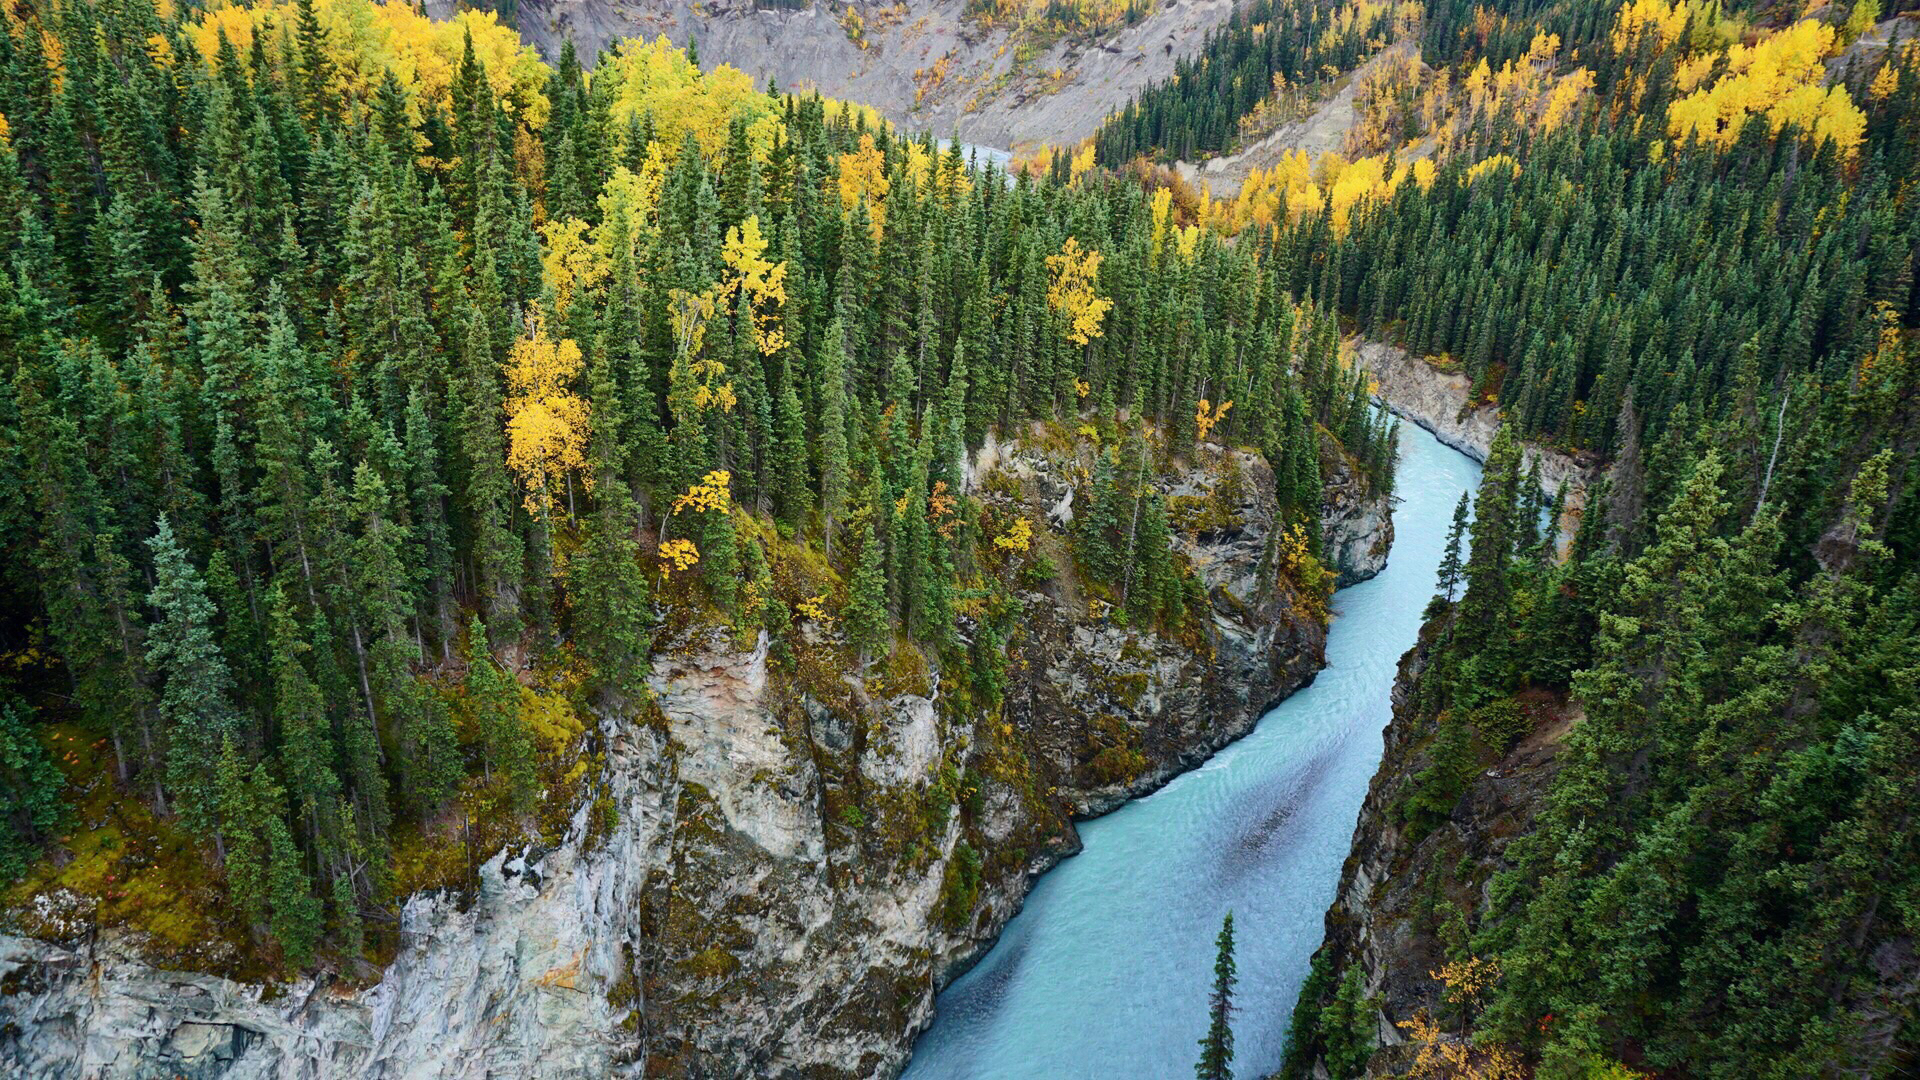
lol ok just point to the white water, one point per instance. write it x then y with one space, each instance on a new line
1104 974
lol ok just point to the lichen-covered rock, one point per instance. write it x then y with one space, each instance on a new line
794 869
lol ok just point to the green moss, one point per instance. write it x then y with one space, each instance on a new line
960 889
131 869
712 963
1126 688
1116 750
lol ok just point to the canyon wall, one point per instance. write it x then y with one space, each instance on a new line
791 861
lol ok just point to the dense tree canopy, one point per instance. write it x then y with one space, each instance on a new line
377 394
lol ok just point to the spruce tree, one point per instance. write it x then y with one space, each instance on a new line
505 743
865 615
1450 564
1216 1049
196 703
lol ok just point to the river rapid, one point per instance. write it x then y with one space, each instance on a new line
1105 971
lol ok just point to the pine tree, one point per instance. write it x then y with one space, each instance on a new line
506 744
834 468
1450 564
865 616
793 491
1216 1050
196 703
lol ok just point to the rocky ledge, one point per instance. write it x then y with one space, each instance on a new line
791 859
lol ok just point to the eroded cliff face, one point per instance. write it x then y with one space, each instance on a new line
923 63
793 857
1407 893
1437 400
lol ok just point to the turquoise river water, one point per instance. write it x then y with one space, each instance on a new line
1104 973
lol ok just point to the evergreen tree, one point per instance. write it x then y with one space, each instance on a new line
1450 564
196 705
506 744
865 615
1216 1050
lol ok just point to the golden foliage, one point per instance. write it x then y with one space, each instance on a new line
863 175
1298 185
1162 215
1443 1057
1498 161
1563 97
1308 574
678 554
550 718
1637 17
688 313
365 39
630 204
1886 83
572 261
815 608
759 283
1071 290
714 492
1018 537
546 421
1783 79
1081 161
1205 417
655 78
1440 1055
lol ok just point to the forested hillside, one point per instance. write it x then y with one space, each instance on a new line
1684 254
379 394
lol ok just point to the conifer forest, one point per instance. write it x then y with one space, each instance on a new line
404 410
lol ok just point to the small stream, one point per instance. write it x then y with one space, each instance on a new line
1105 972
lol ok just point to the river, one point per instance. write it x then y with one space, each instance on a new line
1105 971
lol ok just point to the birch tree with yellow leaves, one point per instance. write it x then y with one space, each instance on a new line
546 420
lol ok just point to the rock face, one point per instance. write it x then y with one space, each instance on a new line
922 63
797 857
1437 401
1398 888
1356 523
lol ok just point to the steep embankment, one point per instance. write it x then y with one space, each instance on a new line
1406 885
924 64
1405 889
790 859
1437 400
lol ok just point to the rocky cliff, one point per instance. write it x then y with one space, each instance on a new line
1436 399
924 63
790 858
1410 889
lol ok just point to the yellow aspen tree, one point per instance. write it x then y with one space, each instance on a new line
863 175
1074 274
1206 417
1162 216
1562 99
546 421
572 261
1081 162
678 554
757 282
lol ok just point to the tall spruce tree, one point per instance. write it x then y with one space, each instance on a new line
1216 1049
